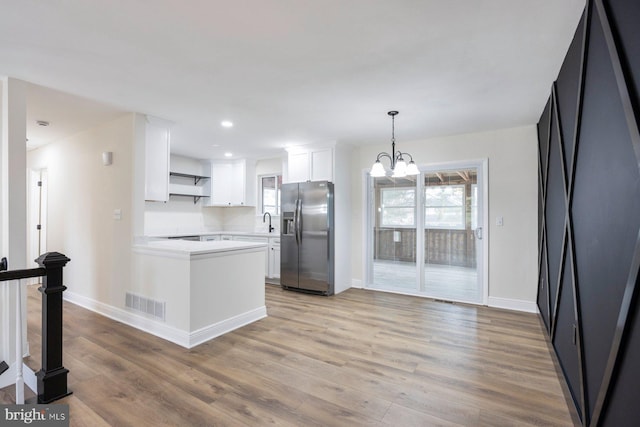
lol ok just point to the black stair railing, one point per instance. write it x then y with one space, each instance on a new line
3 266
52 377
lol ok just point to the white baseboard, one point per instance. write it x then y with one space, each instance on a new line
356 283
513 304
169 333
30 379
209 332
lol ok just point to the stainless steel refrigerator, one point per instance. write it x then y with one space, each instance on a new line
307 237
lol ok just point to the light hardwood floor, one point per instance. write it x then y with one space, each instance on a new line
358 358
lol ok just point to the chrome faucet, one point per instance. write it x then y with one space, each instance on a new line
264 219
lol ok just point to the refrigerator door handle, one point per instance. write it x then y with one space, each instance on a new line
295 222
299 221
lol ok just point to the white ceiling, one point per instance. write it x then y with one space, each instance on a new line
286 71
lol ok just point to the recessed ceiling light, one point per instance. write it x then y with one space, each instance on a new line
42 123
227 154
215 145
226 124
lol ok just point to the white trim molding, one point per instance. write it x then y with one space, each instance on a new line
209 332
513 304
158 329
357 283
30 379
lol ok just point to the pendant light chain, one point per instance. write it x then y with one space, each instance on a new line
393 139
398 164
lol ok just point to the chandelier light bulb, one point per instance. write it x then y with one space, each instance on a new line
377 170
400 170
412 168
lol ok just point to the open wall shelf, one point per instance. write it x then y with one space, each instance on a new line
196 178
180 188
195 197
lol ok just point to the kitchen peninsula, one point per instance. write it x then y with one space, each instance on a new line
207 288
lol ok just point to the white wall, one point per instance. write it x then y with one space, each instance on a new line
82 197
513 189
343 205
239 218
180 216
13 204
269 166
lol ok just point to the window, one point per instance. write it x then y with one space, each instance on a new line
270 194
398 207
444 207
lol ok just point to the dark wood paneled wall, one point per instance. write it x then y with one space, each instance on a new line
589 214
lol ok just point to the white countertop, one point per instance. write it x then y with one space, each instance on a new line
213 233
188 248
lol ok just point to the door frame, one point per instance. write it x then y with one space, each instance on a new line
482 166
36 214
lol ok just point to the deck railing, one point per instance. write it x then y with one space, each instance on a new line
52 377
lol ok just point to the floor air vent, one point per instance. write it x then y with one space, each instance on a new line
146 305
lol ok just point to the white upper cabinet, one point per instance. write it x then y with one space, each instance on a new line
233 183
310 164
298 167
321 164
221 178
157 146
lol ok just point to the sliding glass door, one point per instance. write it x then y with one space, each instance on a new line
450 240
394 233
445 258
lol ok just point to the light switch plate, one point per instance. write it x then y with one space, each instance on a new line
499 221
117 214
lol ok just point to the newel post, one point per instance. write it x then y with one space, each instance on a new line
52 378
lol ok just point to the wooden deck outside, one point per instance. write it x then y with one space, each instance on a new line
440 281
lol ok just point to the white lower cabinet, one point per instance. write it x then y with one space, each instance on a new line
274 258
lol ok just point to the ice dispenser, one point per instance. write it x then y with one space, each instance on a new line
288 227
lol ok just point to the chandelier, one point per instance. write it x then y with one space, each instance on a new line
398 166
